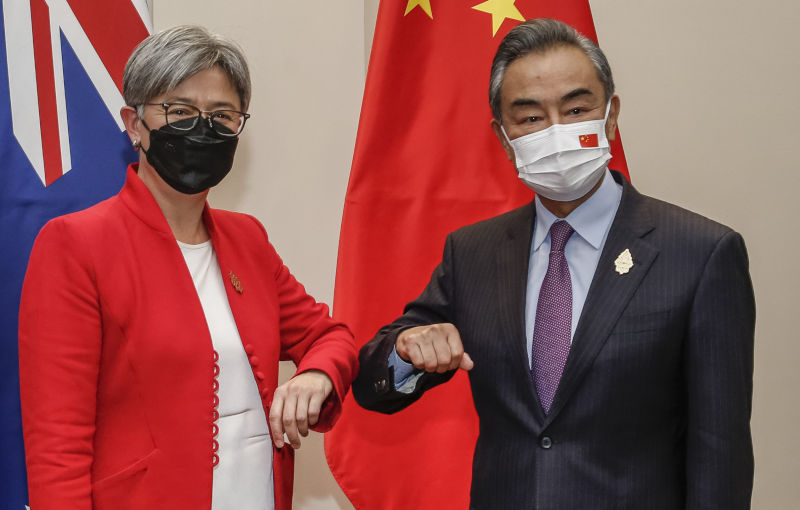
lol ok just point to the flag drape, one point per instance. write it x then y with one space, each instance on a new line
62 149
426 162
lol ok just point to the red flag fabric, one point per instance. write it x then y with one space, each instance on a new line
426 162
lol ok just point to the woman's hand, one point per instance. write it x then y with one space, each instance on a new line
296 406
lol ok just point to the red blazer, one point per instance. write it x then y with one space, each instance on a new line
116 362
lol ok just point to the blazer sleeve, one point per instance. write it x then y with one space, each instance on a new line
719 382
313 340
60 335
374 387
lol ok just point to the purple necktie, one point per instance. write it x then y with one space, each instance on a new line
553 326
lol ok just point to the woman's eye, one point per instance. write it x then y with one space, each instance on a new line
576 111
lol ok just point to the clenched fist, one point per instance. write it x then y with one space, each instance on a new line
434 348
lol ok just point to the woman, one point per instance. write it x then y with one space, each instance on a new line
151 325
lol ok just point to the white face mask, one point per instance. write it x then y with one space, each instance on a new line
564 161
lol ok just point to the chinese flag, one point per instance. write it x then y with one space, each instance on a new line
426 162
588 140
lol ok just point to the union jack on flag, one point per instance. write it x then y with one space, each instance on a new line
62 148
33 33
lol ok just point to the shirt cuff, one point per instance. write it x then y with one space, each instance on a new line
405 375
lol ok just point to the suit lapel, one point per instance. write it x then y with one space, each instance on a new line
609 292
512 269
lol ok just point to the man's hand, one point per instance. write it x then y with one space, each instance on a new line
434 348
296 406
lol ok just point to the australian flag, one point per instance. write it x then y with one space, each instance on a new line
62 148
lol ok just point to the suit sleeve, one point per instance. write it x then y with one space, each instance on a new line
719 382
313 340
59 353
374 387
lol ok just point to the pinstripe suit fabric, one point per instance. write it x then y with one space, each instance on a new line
653 407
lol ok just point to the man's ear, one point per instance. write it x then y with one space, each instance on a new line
613 115
498 132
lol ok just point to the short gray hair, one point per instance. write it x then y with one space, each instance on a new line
537 36
163 60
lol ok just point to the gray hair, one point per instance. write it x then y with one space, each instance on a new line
163 60
537 36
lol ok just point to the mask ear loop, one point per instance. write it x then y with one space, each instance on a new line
505 134
138 145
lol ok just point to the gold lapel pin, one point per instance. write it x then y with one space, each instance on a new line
236 282
624 262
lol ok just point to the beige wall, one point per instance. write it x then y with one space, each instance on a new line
709 119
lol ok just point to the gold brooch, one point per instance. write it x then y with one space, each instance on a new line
236 282
624 262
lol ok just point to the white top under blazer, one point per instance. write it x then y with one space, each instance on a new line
243 476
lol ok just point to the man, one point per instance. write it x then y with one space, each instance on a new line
608 335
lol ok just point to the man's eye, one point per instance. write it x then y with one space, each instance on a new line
531 120
221 116
576 111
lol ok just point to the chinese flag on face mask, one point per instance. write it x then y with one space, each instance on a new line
588 140
426 162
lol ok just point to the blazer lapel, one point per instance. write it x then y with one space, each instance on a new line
512 270
609 292
225 249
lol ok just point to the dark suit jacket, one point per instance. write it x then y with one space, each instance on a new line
653 407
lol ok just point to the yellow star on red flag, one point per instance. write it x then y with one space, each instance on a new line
425 5
500 10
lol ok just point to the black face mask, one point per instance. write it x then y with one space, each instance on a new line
191 161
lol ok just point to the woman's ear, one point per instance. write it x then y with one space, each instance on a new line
133 125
